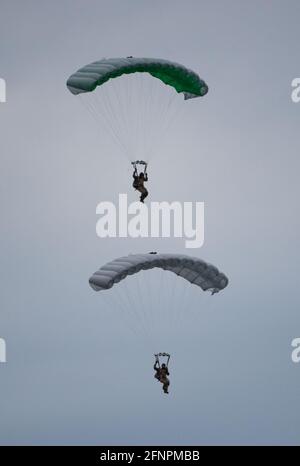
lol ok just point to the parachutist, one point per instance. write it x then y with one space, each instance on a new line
162 371
140 179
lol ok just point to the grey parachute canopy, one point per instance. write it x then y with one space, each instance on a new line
192 269
182 79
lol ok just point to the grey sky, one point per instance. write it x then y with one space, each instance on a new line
75 374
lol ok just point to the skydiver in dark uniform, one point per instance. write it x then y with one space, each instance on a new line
139 180
161 373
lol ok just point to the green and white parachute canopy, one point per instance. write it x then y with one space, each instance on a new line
182 79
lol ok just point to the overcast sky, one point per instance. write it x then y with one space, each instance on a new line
76 371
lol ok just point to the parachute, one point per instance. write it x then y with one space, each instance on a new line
192 269
135 100
95 74
146 293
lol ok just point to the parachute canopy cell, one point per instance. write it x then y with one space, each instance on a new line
182 79
192 269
